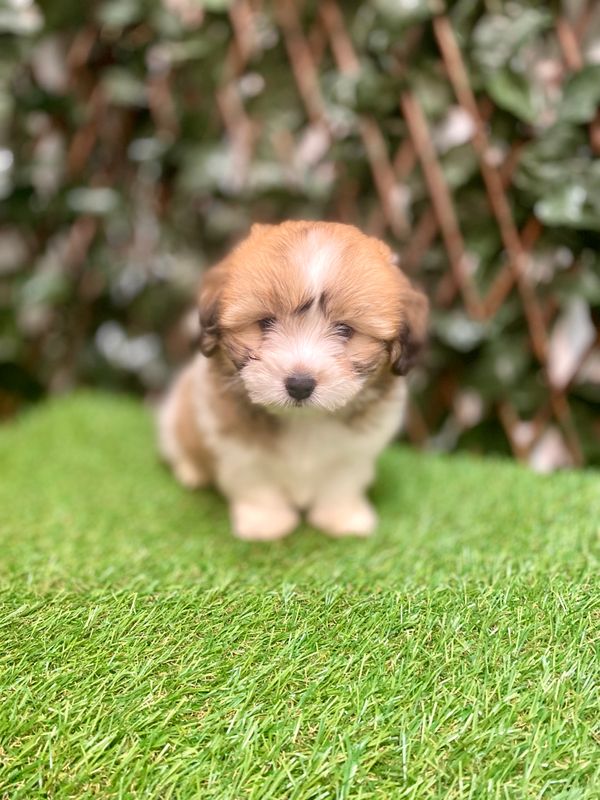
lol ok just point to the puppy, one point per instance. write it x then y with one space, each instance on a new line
306 332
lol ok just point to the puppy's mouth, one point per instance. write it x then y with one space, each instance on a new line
290 406
301 404
293 405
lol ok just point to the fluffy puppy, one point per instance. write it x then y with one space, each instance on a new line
306 332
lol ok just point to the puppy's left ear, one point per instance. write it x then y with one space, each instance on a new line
412 334
208 304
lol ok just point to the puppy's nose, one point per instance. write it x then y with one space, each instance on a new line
300 386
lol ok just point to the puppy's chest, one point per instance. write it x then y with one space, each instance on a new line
307 452
306 443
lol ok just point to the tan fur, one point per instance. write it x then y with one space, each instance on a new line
237 417
309 298
185 430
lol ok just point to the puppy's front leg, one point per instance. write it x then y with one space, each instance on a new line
342 508
262 515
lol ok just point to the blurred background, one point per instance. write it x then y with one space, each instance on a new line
139 139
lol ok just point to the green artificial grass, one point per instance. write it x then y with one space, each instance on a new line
147 654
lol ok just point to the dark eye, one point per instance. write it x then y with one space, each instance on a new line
343 330
266 324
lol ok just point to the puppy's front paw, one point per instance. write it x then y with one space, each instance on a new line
354 517
260 523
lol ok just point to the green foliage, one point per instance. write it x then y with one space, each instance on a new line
140 138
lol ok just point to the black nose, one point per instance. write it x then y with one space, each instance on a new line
300 386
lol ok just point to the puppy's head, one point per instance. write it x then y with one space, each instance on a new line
309 312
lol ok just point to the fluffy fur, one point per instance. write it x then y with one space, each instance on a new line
317 300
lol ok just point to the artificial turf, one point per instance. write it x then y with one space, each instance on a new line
144 653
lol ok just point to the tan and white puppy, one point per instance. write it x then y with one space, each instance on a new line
307 329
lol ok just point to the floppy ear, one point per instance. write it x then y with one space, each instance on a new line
208 304
412 334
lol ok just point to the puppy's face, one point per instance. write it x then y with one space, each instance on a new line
307 313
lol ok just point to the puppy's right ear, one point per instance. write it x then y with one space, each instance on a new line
413 329
208 304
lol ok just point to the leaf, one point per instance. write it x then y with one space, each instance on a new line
459 165
581 96
44 287
434 95
549 166
576 205
497 37
215 5
401 13
375 92
93 201
513 93
459 331
23 19
123 88
502 365
119 13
